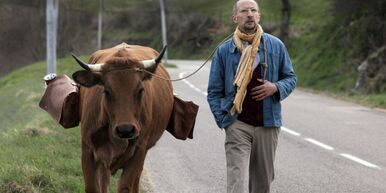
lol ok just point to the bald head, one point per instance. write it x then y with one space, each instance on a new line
235 6
246 15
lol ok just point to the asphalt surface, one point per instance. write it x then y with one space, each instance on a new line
325 146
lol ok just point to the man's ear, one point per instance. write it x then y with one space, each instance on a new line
87 78
234 18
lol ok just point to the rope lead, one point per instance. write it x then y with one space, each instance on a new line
179 79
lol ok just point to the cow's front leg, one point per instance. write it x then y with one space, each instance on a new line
129 181
104 177
96 172
89 167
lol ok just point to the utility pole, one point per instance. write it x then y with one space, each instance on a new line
163 26
52 28
99 40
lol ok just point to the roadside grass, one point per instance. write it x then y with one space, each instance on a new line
371 100
170 65
36 154
320 61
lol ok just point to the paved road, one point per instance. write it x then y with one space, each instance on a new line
325 146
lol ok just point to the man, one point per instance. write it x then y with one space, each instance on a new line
250 74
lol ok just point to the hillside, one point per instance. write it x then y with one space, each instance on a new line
342 51
336 46
191 27
325 48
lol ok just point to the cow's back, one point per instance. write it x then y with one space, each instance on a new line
135 52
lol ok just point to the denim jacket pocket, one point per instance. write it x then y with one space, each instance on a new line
226 104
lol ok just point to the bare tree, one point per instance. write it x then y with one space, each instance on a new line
286 14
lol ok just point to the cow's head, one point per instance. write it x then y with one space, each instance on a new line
123 82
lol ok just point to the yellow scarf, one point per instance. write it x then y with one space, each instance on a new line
244 70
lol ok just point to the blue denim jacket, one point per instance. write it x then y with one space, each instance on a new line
221 91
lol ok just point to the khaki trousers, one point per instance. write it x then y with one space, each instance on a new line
244 142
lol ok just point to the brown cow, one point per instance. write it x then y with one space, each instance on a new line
124 111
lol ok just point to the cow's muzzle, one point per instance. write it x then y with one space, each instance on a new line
126 131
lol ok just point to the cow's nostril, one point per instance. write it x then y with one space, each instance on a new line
127 132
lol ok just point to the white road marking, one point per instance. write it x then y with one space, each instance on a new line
358 160
191 85
320 144
290 131
313 141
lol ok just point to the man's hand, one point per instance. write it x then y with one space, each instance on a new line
260 92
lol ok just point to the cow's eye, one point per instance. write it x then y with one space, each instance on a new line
107 95
140 92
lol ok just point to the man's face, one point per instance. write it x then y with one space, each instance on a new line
247 16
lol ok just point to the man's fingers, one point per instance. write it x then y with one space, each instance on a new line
259 97
260 92
257 88
257 92
261 80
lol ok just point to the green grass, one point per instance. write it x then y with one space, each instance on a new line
321 61
372 100
36 155
170 65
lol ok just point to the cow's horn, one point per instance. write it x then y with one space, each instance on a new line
90 67
152 62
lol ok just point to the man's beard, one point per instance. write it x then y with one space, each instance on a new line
250 28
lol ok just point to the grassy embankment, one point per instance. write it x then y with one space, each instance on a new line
36 155
321 59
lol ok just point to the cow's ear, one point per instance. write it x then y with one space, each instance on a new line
86 78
